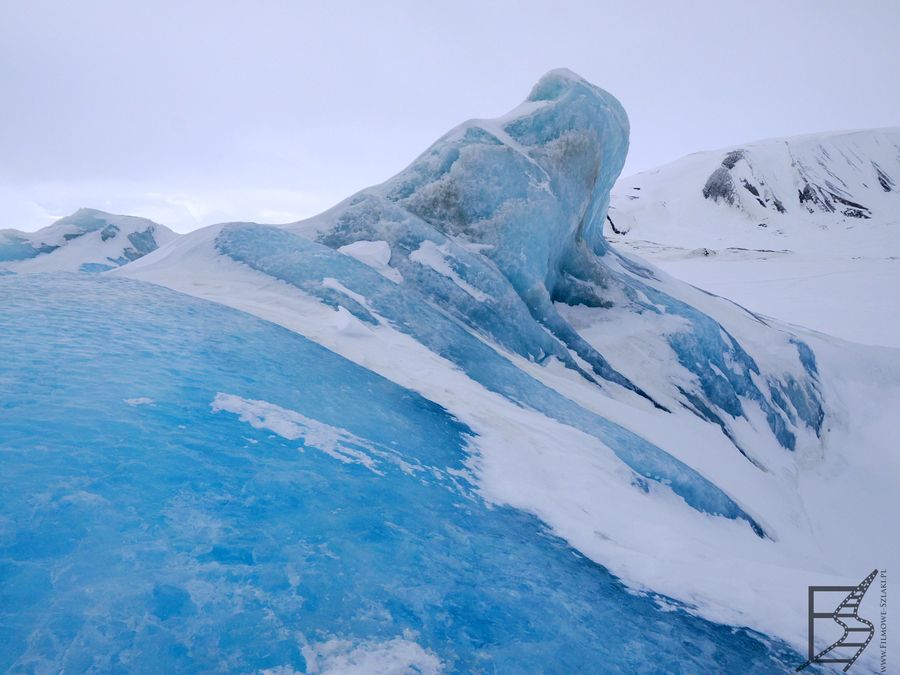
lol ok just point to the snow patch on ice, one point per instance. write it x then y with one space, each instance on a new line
375 254
431 255
346 324
337 443
335 285
140 400
400 655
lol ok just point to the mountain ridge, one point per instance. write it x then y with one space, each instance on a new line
88 240
828 180
804 229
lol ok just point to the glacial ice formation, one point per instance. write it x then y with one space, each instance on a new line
371 298
516 206
189 488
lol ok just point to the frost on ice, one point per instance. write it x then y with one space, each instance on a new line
334 442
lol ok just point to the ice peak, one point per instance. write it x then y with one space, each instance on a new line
554 83
531 183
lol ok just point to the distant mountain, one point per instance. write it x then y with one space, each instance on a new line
804 229
771 191
87 241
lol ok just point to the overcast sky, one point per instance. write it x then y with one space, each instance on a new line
195 112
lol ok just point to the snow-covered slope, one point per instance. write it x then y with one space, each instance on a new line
806 229
688 445
87 241
774 190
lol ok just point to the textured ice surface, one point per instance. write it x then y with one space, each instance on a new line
315 268
168 507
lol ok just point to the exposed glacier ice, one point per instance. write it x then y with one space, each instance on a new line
172 537
495 225
370 297
531 190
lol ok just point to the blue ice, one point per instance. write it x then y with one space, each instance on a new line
142 532
305 264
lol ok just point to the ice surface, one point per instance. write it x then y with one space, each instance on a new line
170 537
370 297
